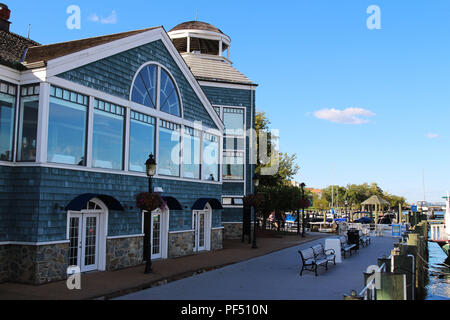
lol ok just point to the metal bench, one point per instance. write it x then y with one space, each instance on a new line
321 253
310 262
346 247
364 240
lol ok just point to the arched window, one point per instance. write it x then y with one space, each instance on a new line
145 90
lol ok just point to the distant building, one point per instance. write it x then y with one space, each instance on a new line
317 192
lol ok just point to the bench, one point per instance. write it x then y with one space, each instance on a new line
310 262
364 240
346 247
321 253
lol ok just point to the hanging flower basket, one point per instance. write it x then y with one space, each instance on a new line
147 201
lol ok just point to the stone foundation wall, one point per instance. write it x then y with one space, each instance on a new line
181 244
4 263
217 239
37 264
232 230
124 253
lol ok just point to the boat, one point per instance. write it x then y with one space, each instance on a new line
440 229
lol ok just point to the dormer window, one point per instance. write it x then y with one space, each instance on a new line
145 90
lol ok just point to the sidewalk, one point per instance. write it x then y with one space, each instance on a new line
106 285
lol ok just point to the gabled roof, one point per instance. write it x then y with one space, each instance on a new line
38 55
12 47
214 68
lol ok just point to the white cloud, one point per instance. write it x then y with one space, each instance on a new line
432 135
346 116
111 19
93 17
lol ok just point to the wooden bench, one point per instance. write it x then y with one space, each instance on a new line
346 247
321 253
310 262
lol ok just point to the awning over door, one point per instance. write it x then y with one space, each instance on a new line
173 203
80 202
200 204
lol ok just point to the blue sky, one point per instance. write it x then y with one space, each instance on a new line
310 57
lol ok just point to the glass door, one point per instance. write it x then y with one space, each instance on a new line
90 242
199 228
83 237
156 236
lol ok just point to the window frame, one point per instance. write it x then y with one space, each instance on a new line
15 108
158 88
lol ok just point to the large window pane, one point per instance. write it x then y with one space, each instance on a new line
233 165
233 120
144 87
66 132
107 140
210 157
169 100
169 149
29 105
142 140
7 103
191 153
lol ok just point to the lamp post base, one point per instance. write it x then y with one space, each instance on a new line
148 267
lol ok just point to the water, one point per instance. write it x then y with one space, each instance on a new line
438 287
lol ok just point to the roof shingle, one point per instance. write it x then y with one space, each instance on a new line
12 47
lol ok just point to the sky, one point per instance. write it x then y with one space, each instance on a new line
356 104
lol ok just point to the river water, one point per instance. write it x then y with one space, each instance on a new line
438 287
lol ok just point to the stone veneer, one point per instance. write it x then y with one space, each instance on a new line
181 244
217 239
232 230
35 264
124 252
4 263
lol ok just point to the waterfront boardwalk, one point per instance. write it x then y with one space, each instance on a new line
275 277
112 284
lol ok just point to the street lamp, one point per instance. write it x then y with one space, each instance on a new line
150 166
256 185
302 187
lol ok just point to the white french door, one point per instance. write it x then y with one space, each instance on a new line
201 228
156 236
84 241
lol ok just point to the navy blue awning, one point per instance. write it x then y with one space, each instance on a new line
80 202
200 204
173 203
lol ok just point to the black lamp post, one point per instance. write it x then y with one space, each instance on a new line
302 187
256 184
150 166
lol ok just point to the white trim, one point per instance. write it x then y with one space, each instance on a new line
198 33
227 85
182 231
43 121
229 206
98 170
65 84
126 142
37 244
125 237
10 75
218 228
90 132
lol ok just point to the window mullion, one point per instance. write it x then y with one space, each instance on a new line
158 88
90 132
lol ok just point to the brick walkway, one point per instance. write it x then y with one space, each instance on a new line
105 285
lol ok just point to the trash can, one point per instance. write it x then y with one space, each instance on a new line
353 237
